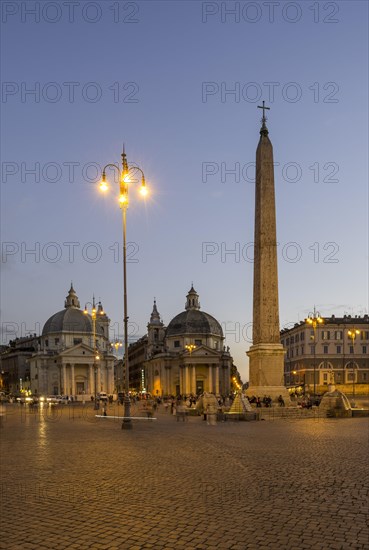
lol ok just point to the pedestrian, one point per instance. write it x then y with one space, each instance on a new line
281 401
104 409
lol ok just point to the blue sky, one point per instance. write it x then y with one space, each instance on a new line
159 76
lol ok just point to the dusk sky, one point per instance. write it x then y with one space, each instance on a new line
179 83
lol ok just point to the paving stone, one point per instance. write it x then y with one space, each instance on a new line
84 485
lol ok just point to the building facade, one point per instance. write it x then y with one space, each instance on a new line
337 349
186 357
74 353
14 364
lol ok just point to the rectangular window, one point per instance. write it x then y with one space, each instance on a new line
325 334
297 351
364 335
77 341
325 376
351 349
287 341
364 350
302 336
291 352
338 335
312 349
177 344
56 341
302 350
47 343
292 340
338 349
325 349
198 342
364 376
297 338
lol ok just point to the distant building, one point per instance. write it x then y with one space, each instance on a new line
14 363
65 361
186 357
336 352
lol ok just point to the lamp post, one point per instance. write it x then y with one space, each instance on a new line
124 179
190 348
93 314
352 333
116 345
314 319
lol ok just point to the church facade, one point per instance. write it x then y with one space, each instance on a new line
186 357
73 356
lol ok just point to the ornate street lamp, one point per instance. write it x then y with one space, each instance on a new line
125 178
93 314
190 348
116 345
314 319
352 333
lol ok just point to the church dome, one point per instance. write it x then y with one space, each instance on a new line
70 319
193 321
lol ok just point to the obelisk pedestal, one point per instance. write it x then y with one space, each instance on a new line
266 355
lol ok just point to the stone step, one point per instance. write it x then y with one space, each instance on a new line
289 413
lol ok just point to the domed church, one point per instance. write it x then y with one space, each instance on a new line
188 356
68 361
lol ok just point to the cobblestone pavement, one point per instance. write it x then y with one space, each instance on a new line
73 481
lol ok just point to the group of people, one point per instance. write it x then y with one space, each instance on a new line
266 401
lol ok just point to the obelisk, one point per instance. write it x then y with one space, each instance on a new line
266 355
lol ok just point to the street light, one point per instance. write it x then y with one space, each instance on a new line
352 333
93 314
116 345
125 174
314 319
190 348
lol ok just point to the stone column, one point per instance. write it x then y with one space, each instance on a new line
181 377
98 389
64 379
166 389
188 386
193 388
216 379
91 380
210 371
73 386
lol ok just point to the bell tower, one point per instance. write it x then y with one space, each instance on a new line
72 301
155 333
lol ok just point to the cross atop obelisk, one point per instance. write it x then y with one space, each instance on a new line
264 129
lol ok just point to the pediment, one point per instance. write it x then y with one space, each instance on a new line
202 350
77 350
